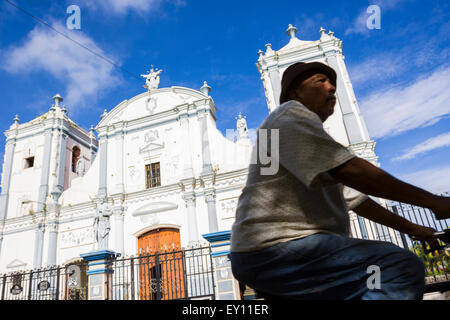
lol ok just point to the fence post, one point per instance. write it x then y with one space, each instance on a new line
99 274
30 285
227 286
132 279
3 288
57 282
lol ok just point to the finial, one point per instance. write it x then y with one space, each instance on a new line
260 53
16 119
57 98
291 31
105 113
64 110
322 31
268 48
205 89
331 33
91 129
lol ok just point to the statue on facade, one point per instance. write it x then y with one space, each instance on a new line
102 225
152 79
242 126
80 167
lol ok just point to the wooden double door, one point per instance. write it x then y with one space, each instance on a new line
161 274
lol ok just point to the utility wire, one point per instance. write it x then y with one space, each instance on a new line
69 38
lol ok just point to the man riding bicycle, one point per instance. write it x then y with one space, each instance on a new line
291 238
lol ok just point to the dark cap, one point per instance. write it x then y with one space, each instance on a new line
302 68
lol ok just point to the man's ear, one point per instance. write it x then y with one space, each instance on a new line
296 94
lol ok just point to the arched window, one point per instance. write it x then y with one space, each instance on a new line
75 156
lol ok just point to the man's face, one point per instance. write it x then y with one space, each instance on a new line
317 94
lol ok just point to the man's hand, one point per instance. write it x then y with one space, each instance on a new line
373 211
441 208
424 234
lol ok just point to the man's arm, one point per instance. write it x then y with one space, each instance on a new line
361 175
373 211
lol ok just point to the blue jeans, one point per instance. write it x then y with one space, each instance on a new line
332 267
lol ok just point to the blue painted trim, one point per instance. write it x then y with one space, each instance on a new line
221 253
96 263
98 255
99 271
220 245
218 236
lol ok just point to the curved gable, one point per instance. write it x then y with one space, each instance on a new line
148 103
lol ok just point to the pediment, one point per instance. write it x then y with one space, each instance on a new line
150 103
151 147
155 207
16 263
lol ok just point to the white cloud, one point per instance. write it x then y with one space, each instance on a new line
81 73
435 180
377 68
390 111
440 141
123 6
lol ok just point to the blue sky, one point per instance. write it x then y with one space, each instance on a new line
400 73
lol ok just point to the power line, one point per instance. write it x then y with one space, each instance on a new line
69 38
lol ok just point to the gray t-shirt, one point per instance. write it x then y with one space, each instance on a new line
301 199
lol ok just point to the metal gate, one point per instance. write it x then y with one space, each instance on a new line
168 275
53 283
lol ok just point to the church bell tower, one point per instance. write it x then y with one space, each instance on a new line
346 125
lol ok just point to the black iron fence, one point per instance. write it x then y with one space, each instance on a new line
437 263
183 274
53 283
189 273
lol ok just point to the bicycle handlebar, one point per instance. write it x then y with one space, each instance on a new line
444 236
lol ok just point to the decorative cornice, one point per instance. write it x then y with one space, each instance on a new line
99 255
218 236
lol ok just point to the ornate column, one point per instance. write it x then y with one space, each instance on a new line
52 243
43 189
188 171
119 156
103 171
191 217
7 171
355 127
38 245
59 187
92 148
206 153
118 213
6 177
210 199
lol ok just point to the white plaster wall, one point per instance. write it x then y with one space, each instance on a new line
74 238
135 161
25 182
84 188
229 155
20 246
111 164
226 208
195 145
335 126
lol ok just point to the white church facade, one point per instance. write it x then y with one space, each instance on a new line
158 175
